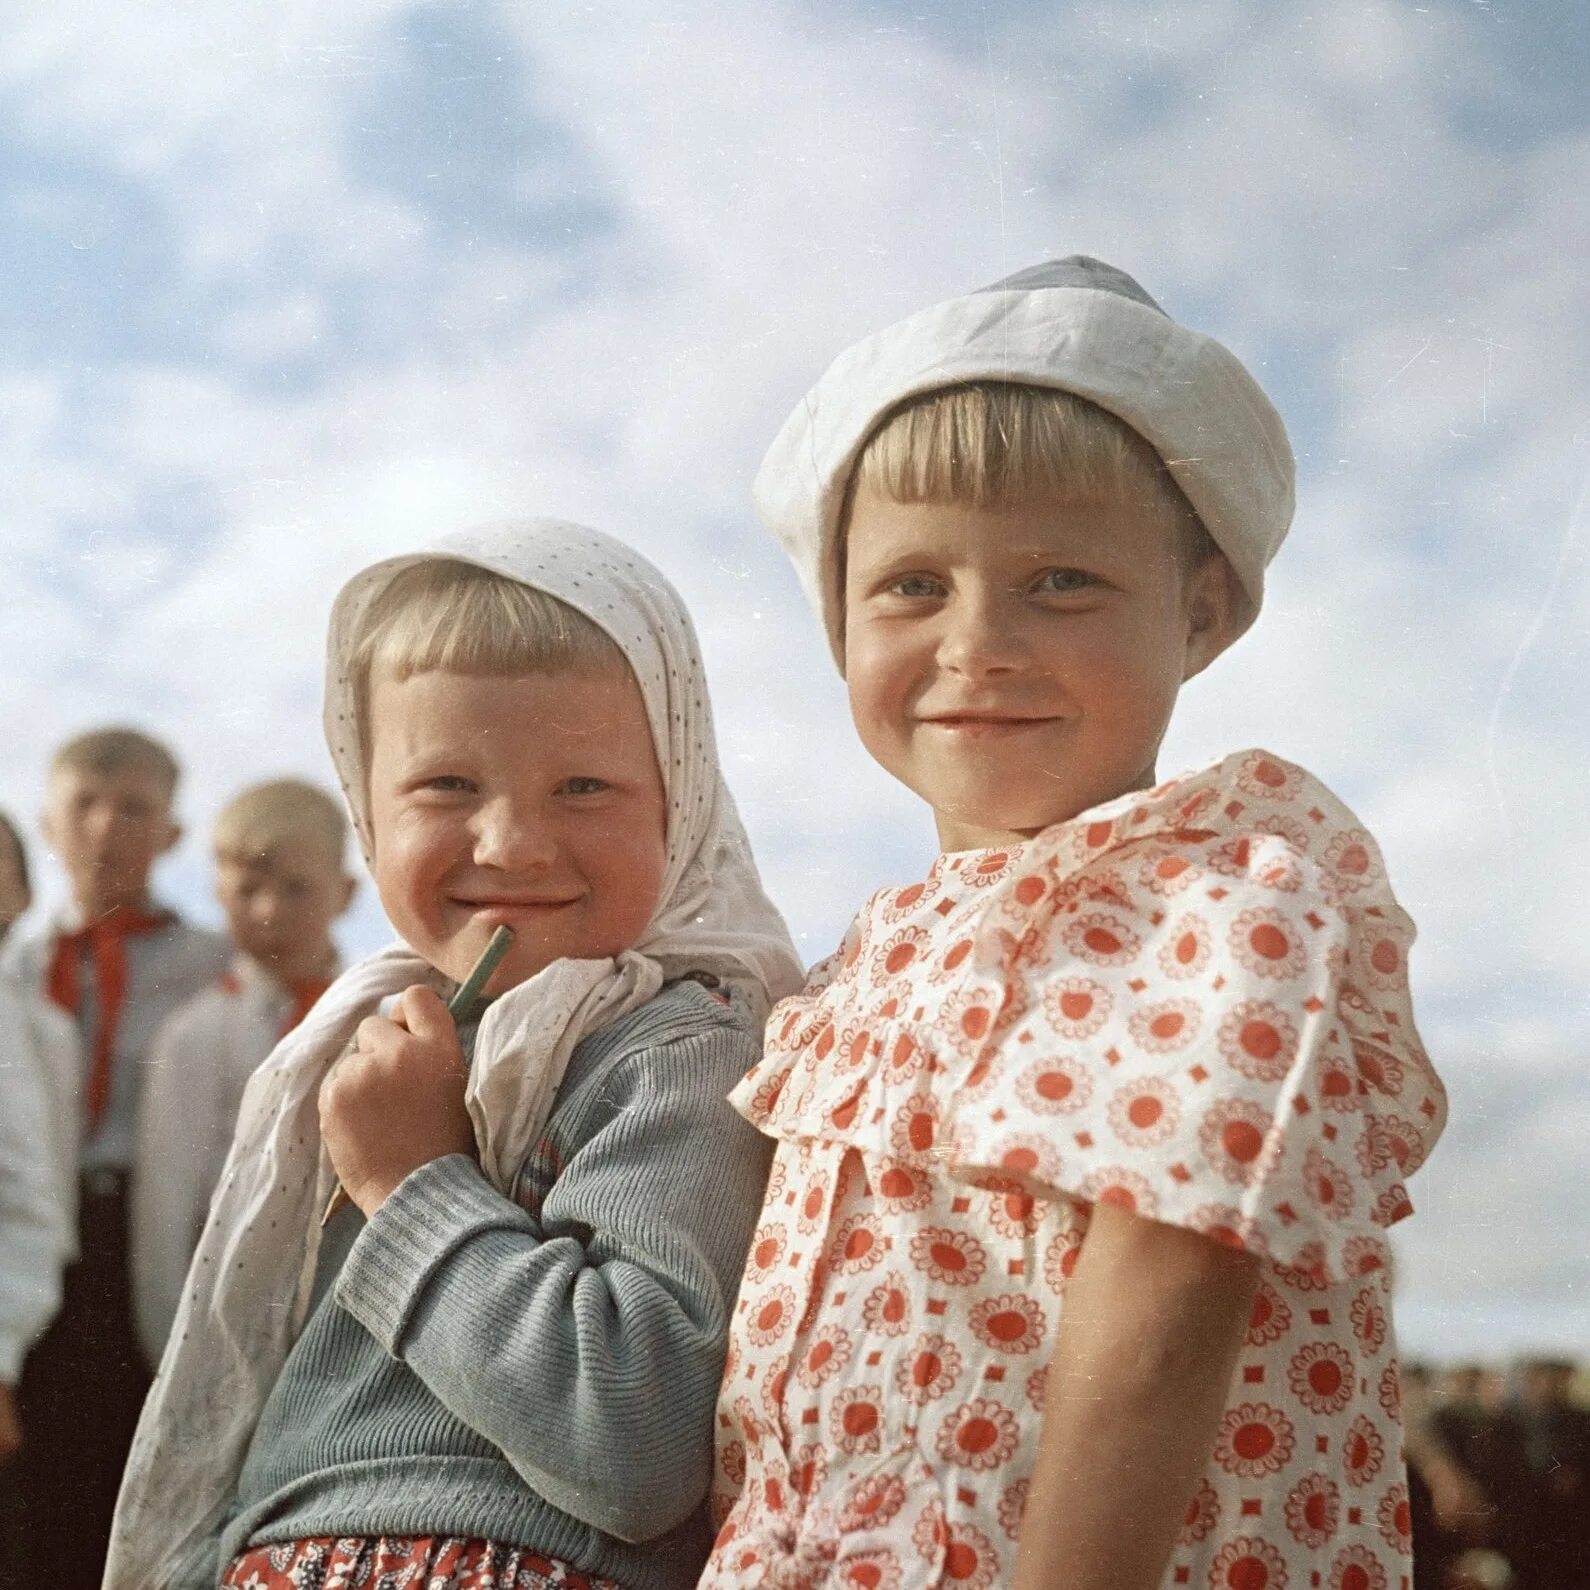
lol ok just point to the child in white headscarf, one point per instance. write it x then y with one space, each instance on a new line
497 1366
1072 1269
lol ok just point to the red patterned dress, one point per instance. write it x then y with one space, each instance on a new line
1192 1002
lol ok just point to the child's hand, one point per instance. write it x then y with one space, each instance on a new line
396 1100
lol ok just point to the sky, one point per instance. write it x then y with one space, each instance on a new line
291 286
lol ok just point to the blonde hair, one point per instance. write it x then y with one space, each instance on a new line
448 614
115 750
253 824
991 444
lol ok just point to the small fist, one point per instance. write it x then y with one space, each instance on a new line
395 1101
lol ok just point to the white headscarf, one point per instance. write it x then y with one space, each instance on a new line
248 1288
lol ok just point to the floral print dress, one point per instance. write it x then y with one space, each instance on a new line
1191 1002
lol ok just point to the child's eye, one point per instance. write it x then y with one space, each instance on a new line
916 585
1053 581
584 786
449 784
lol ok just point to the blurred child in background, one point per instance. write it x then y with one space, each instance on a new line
282 880
118 964
35 1232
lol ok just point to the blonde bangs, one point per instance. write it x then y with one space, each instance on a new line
993 444
460 618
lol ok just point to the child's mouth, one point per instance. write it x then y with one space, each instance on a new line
984 726
498 912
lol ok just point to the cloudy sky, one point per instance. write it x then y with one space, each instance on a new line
291 285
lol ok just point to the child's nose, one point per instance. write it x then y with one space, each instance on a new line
510 836
980 639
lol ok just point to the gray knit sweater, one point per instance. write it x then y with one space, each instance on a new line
539 1372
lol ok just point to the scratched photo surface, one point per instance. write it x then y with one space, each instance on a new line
292 285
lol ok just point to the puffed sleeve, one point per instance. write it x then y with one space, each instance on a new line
1204 1017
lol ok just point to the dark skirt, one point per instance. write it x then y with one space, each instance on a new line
81 1391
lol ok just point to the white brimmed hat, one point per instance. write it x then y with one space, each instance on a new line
1076 324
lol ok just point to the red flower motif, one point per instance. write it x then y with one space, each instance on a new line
1395 1518
1010 1323
1321 1375
1247 1563
887 1309
1271 1317
1144 1112
1258 1039
767 1249
1358 1568
1268 778
1363 1452
855 1419
1255 1439
1168 872
808 1468
1238 1139
950 1257
1125 1189
770 1315
970 1561
1368 1316
930 1371
1203 1513
898 953
896 905
1186 950
1056 1085
903 1188
914 1129
1060 1258
1386 965
1102 938
876 1500
1077 1006
812 1204
1313 1510
979 1435
828 1353
857 1246
1328 1185
1166 1026
1267 943
1013 1508
1389 1392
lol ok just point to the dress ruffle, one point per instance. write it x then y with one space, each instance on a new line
1192 1001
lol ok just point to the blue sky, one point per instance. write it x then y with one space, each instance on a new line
292 286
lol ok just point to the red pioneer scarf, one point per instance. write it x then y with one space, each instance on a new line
105 938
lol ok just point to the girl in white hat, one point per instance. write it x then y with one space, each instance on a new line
495 1367
1072 1269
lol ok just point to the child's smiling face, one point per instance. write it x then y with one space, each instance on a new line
533 800
1016 666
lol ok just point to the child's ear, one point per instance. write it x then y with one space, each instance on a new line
1211 609
350 887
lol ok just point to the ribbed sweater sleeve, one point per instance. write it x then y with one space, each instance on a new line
586 1344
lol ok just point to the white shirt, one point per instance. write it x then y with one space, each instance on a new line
194 1076
38 1181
